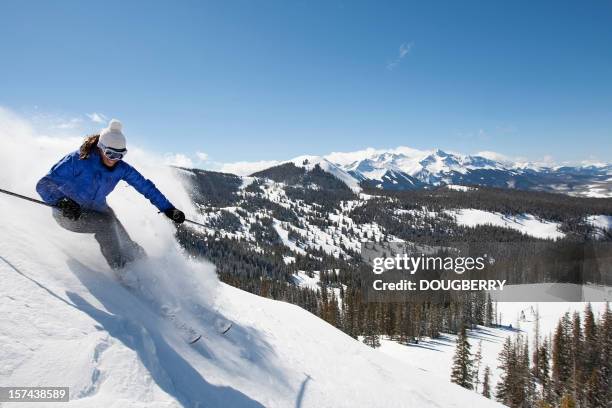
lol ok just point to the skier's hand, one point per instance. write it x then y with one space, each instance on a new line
70 208
175 215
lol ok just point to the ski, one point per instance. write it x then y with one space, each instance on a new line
195 340
229 326
192 336
189 334
197 337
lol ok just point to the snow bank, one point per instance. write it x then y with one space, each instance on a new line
284 236
458 187
302 279
525 223
603 222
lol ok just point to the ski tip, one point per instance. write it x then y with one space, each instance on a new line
195 339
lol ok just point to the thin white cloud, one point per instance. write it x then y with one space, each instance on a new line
245 168
97 117
71 123
178 159
202 156
487 154
521 161
186 160
548 160
592 161
404 50
13 124
345 158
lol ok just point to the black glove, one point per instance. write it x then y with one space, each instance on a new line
70 208
175 215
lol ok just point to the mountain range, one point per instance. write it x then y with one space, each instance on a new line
410 169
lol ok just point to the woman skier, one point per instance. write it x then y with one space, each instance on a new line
78 184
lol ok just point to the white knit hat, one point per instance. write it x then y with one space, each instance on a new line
112 136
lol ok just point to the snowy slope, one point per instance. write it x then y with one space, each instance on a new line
435 355
603 222
66 321
525 223
123 354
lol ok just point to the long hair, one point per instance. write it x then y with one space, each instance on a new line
88 144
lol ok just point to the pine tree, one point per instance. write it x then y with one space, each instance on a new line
405 324
415 317
477 363
543 374
567 401
506 365
389 320
606 354
595 394
349 314
462 361
489 312
590 340
577 363
486 387
527 395
518 395
536 343
561 357
371 336
516 387
479 304
435 322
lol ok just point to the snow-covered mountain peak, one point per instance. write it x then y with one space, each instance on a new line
474 162
309 162
442 162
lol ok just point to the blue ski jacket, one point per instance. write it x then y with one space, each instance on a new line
88 182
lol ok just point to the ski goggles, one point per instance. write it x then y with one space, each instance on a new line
112 154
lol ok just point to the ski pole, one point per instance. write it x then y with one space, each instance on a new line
193 222
25 198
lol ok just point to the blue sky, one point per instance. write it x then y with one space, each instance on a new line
269 80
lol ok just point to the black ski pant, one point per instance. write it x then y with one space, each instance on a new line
115 244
